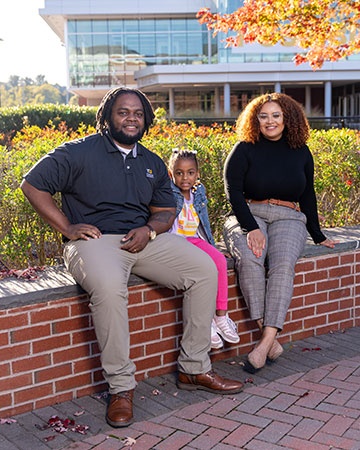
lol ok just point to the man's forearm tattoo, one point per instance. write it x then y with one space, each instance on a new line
162 216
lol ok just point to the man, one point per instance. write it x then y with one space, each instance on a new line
117 206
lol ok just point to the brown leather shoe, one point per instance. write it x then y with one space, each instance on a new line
209 381
120 411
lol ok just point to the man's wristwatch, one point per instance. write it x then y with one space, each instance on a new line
152 232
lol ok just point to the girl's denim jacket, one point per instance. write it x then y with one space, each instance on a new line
200 202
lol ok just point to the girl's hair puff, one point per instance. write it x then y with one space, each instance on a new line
182 153
297 129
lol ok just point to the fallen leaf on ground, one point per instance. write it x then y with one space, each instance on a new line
28 274
304 394
64 425
249 380
129 442
49 438
155 392
101 395
8 421
79 413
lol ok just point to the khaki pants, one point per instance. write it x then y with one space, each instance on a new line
103 269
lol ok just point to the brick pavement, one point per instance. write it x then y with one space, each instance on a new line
317 407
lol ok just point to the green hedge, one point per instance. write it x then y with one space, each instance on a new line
26 241
13 119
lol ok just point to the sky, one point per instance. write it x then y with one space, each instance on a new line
29 47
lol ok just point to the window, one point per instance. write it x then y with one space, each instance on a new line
83 26
101 51
99 26
178 24
147 44
178 45
115 26
131 44
147 25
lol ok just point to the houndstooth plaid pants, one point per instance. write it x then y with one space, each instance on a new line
285 232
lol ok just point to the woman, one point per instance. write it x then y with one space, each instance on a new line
269 183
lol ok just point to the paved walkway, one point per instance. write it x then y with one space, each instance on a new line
308 399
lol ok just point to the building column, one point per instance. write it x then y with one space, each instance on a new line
352 101
277 87
327 99
307 100
226 99
262 90
217 102
171 103
209 47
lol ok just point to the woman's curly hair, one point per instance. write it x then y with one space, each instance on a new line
103 115
297 129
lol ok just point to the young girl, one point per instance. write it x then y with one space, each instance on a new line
192 222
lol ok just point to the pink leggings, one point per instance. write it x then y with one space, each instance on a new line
221 264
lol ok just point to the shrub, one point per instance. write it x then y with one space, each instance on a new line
337 176
26 240
13 119
212 145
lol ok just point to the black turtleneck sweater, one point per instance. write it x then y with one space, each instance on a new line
271 169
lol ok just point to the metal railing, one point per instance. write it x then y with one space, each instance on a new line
320 123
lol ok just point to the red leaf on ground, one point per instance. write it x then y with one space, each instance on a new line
304 394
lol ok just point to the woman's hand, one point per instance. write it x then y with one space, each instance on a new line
256 242
329 243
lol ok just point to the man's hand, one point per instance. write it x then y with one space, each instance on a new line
160 220
136 240
82 231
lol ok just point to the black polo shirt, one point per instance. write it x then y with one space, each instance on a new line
99 187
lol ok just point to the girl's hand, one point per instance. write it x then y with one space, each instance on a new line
329 243
256 242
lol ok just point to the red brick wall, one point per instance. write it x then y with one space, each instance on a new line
49 353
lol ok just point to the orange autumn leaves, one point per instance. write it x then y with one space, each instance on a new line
325 30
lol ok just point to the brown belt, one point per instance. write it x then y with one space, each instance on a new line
273 201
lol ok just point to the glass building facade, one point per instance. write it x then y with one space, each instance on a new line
108 52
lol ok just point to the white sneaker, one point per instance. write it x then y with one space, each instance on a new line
226 328
216 341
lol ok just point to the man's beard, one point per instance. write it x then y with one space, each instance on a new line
123 138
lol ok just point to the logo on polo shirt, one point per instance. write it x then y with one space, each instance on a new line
149 173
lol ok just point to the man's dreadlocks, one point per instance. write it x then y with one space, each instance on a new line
103 115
